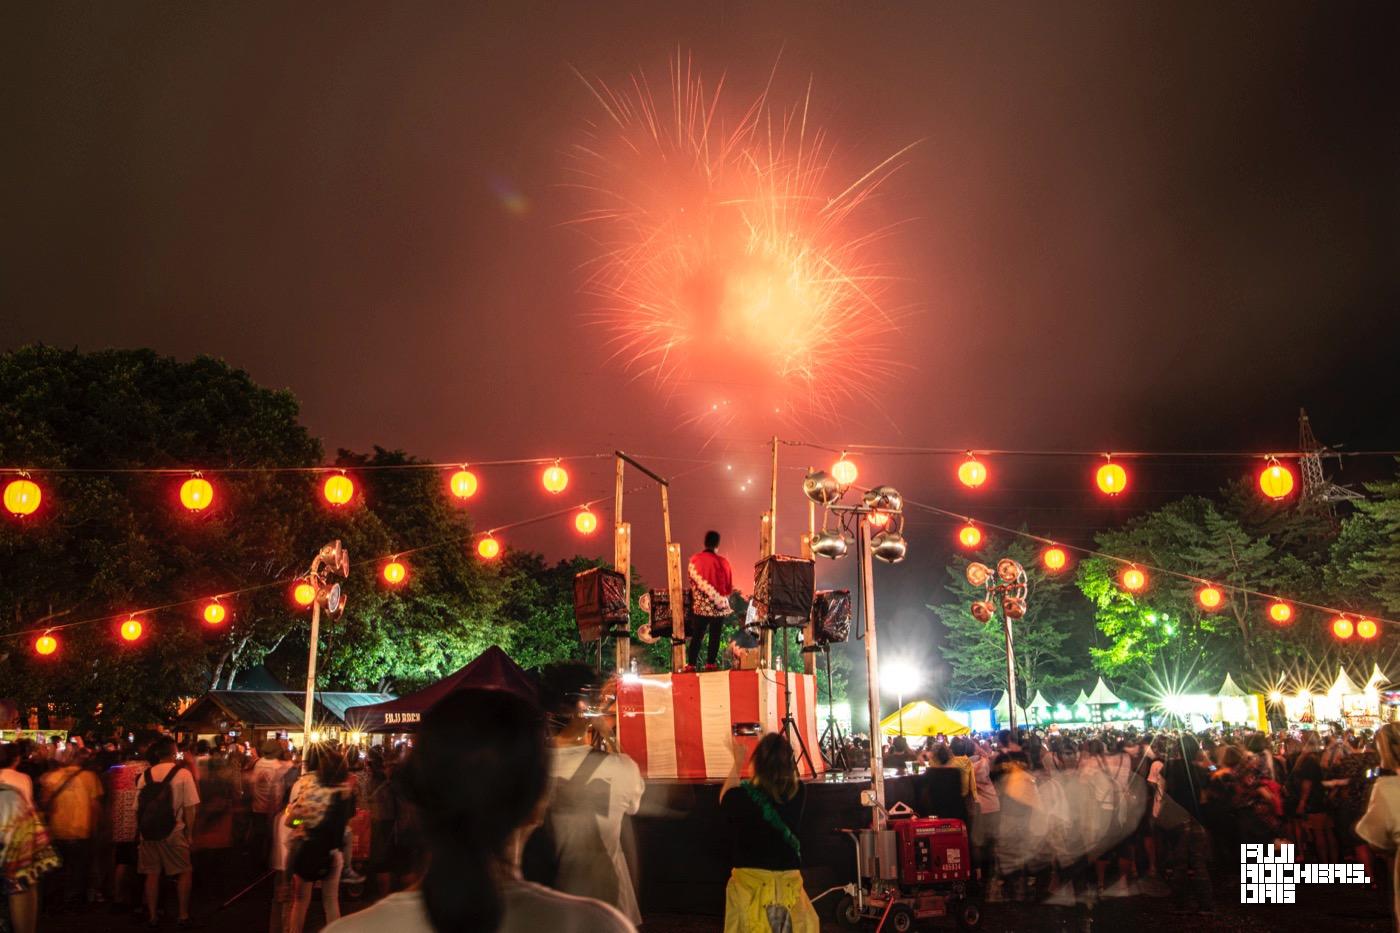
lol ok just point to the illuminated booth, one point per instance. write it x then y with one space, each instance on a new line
492 669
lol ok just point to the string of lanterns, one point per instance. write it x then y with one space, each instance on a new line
393 569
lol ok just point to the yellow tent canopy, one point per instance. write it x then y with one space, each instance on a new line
922 718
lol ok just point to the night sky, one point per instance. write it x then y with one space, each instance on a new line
1123 226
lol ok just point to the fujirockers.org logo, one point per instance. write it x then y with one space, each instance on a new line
1268 874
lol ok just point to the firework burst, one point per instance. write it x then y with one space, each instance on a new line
733 266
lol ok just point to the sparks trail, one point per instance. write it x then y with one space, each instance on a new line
730 255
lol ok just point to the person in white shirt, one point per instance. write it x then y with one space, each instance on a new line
9 773
478 777
1379 826
169 856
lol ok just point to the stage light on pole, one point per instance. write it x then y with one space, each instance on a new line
821 487
463 483
888 546
1280 612
971 472
1111 478
830 544
1054 558
22 496
555 478
879 519
1275 480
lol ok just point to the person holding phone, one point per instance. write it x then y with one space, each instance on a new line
764 815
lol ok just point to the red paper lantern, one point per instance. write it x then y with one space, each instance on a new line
304 593
215 613
1280 612
585 522
1133 580
196 494
46 644
555 478
1275 480
131 629
1112 479
488 547
971 472
1054 558
395 572
1367 629
969 536
844 472
1342 627
338 489
1209 597
463 483
22 497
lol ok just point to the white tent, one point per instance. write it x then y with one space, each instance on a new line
1377 679
1038 703
1102 696
1342 686
1230 689
1003 710
1083 699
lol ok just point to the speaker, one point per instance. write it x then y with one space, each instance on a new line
782 590
831 616
659 607
600 603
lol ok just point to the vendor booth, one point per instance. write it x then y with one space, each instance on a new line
492 669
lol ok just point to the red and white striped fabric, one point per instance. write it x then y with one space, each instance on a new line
681 725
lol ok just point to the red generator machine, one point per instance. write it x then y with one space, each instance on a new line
918 869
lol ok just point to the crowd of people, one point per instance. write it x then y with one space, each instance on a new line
1057 818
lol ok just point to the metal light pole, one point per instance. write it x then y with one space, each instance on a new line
1008 582
331 559
872 674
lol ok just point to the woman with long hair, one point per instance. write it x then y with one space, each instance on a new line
1379 826
477 779
764 814
318 810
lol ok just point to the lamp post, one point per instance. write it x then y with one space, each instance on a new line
1009 583
888 545
331 559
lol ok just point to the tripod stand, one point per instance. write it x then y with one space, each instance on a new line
789 728
832 743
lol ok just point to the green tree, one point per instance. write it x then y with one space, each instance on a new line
1050 640
1369 546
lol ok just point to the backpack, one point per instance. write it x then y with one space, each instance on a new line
311 860
155 806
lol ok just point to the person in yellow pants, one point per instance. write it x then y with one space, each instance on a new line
764 814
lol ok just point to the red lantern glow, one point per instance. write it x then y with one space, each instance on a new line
463 483
131 629
1054 558
1276 480
1342 627
196 494
844 472
1209 597
1280 612
1133 580
46 644
585 522
215 613
969 536
1367 629
22 497
488 547
1112 479
338 489
971 472
304 593
555 478
395 572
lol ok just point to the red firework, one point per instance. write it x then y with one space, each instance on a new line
733 267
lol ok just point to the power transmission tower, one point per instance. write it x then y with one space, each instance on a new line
1319 493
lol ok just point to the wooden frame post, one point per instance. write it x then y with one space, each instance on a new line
622 563
673 585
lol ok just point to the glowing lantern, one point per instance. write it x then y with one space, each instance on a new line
1343 628
1366 628
46 644
463 483
555 478
1112 479
586 522
196 494
304 593
971 473
879 519
22 497
1054 558
1280 612
844 472
488 547
1276 480
131 629
394 572
339 489
1133 580
969 535
1209 597
215 613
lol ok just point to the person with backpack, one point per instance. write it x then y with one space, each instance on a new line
166 802
318 812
